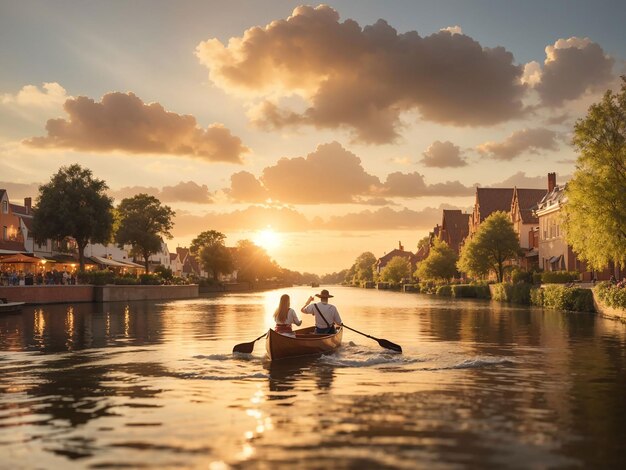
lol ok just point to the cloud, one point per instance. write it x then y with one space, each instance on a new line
181 192
443 155
526 140
363 79
411 185
572 68
50 95
330 174
282 219
388 219
17 191
456 29
521 180
122 121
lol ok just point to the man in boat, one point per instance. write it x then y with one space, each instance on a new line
326 315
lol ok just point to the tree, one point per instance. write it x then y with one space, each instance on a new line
74 204
210 251
396 269
594 216
494 243
425 241
363 268
143 222
253 263
439 264
206 238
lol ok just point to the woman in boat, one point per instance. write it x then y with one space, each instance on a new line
284 316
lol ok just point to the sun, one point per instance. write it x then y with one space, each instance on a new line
268 239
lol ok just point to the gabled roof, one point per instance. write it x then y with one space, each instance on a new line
556 196
2 192
20 210
28 222
490 200
454 227
173 256
383 260
527 200
182 253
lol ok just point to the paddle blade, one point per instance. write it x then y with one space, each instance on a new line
245 348
389 345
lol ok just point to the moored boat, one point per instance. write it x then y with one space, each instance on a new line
11 307
306 343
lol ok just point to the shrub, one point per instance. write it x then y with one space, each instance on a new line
428 287
463 291
568 298
536 296
150 279
165 273
514 293
518 275
96 278
444 291
559 277
126 280
537 278
613 296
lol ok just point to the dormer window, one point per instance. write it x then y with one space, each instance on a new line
5 207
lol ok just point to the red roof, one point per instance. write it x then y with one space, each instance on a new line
9 245
383 260
20 210
454 228
490 200
527 200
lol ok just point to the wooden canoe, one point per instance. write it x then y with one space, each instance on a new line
306 343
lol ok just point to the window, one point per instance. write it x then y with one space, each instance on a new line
5 233
5 207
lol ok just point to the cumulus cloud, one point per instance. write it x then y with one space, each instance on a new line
526 140
443 155
522 180
182 192
50 95
364 78
572 68
456 29
411 185
330 174
122 121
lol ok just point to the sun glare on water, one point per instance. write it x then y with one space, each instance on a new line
268 239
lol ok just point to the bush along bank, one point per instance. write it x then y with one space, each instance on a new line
463 291
554 296
613 296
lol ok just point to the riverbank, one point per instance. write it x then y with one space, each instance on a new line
37 295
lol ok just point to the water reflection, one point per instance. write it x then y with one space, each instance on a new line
480 384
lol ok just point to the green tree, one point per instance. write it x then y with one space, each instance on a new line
216 259
423 242
494 243
439 264
253 263
396 269
363 268
594 217
143 222
74 204
206 238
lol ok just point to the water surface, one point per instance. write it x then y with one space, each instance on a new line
154 385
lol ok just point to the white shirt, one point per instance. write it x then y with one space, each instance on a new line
328 310
292 317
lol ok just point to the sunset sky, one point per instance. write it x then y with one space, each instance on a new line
343 127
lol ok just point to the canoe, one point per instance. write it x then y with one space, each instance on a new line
11 307
306 343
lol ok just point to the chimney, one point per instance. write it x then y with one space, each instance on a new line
400 247
28 204
551 182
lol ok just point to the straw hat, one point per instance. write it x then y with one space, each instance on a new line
324 294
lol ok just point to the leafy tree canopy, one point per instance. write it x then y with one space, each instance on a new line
439 264
253 263
363 268
206 238
594 215
494 243
396 269
216 259
143 222
74 204
423 242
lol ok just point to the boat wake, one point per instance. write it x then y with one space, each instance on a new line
196 376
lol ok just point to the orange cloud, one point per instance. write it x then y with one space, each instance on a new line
364 78
443 155
122 121
572 67
526 140
182 192
411 185
522 180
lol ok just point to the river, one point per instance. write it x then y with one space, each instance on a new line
155 385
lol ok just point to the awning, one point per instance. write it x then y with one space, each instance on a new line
109 262
20 258
555 259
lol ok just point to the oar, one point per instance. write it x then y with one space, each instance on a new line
247 347
382 342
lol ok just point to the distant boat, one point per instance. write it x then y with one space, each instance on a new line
306 343
11 307
315 284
